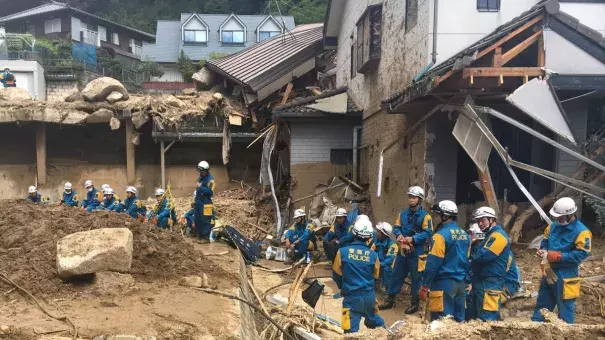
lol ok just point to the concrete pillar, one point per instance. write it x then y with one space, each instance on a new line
130 167
41 153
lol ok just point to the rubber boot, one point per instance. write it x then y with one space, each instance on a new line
389 303
413 308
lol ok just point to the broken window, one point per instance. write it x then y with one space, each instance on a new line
488 5
369 35
411 14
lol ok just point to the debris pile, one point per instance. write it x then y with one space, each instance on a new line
29 242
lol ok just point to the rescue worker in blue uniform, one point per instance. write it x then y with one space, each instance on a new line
512 280
386 249
446 266
189 218
204 209
348 237
355 269
489 266
110 202
413 229
34 197
331 240
161 215
8 79
70 198
93 197
477 237
132 205
567 242
300 237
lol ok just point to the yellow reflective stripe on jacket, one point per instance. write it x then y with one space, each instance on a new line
211 185
498 244
584 241
392 249
377 268
337 266
398 220
547 232
508 264
426 222
438 247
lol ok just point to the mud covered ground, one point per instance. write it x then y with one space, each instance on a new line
30 234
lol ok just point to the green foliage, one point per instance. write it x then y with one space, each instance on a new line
53 49
303 11
186 67
599 210
112 67
216 6
149 69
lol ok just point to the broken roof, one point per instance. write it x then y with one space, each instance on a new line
583 36
262 64
55 6
303 107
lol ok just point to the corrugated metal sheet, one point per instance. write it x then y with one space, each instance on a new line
170 42
46 8
263 63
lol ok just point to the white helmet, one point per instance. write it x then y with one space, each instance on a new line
105 187
362 217
385 227
563 206
299 213
32 190
88 184
476 231
416 191
484 212
67 186
363 229
108 191
341 212
203 165
132 189
159 192
194 193
446 208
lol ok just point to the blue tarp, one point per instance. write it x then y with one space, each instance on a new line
84 53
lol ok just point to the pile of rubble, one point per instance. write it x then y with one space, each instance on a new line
41 244
104 99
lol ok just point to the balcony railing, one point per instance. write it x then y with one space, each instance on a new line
138 50
24 55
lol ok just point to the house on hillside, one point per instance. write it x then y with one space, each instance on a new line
60 20
200 35
412 64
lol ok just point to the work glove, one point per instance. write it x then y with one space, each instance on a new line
423 293
541 253
554 256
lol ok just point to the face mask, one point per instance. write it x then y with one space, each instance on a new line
89 189
68 191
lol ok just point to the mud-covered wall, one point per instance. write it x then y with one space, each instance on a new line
403 55
79 153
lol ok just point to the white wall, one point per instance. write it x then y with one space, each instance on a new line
270 26
195 24
30 76
171 74
232 25
591 15
573 61
312 142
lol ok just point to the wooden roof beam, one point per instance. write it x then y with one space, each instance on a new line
515 51
494 45
502 71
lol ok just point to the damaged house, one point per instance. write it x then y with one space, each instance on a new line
537 74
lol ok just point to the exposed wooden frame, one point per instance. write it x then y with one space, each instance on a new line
502 71
513 52
287 93
494 46
541 52
497 57
487 187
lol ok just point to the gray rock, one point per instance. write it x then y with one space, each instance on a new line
115 96
98 89
87 252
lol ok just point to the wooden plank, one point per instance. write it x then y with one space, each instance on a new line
287 93
541 52
492 47
497 62
488 189
130 159
513 52
504 71
41 153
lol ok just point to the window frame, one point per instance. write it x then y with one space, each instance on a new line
487 8
408 25
369 45
232 36
195 41
271 35
53 22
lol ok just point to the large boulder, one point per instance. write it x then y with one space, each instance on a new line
115 96
205 77
74 96
87 252
14 94
98 89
